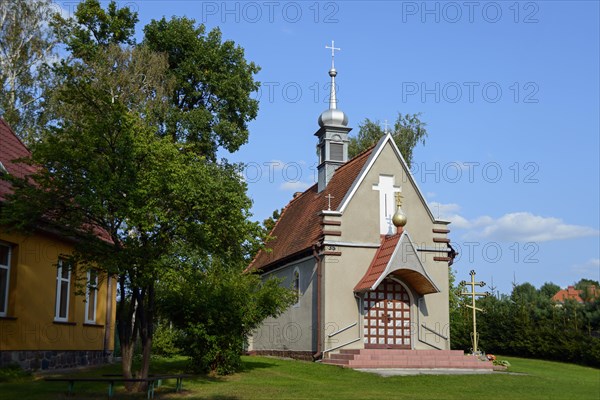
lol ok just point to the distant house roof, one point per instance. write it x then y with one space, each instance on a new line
575 294
12 148
298 227
568 293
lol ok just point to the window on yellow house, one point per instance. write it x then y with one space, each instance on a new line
63 288
91 296
4 278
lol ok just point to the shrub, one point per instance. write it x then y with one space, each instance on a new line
12 372
166 340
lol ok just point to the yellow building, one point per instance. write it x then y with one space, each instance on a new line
50 316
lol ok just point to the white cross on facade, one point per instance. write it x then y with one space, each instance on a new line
387 204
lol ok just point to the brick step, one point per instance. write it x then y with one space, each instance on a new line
395 358
336 362
404 352
342 356
383 364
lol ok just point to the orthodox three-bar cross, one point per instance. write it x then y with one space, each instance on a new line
399 198
474 295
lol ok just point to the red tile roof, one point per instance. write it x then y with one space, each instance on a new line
298 227
575 294
12 148
379 263
568 293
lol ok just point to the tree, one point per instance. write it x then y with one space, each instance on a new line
527 323
211 101
108 175
216 306
548 290
269 223
26 45
590 289
93 28
407 132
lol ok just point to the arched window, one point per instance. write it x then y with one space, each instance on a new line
296 284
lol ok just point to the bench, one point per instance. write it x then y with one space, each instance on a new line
153 382
160 378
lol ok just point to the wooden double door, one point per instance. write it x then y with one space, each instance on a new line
387 317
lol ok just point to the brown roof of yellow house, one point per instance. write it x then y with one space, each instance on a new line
11 148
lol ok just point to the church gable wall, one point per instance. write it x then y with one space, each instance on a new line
360 225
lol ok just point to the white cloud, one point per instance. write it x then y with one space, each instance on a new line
589 269
296 186
517 226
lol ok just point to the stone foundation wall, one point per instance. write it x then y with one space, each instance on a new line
34 360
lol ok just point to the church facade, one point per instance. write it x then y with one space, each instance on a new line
366 256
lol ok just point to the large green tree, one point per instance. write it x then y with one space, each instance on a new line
26 46
211 98
408 131
108 174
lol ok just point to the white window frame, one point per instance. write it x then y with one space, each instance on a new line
91 293
59 281
4 313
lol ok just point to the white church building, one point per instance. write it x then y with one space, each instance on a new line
368 259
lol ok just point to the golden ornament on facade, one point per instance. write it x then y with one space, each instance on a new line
399 219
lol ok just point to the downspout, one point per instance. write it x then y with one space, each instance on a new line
319 354
108 319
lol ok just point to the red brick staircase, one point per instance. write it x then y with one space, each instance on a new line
392 358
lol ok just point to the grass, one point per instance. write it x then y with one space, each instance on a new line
270 378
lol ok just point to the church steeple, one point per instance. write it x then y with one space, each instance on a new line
333 134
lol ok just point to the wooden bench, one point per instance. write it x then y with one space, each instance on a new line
160 378
153 382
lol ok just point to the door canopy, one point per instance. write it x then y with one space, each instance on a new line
397 256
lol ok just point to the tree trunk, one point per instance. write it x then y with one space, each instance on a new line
127 329
126 360
145 367
145 314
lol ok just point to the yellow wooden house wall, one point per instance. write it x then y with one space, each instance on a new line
29 324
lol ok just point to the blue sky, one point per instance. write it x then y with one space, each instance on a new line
509 91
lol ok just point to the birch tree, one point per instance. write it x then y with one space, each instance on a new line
27 44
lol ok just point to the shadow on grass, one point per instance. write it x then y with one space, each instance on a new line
250 364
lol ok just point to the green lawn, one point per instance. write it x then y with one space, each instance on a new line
274 379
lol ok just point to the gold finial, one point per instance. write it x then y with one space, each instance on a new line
399 219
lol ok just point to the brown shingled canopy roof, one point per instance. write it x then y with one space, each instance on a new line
406 266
